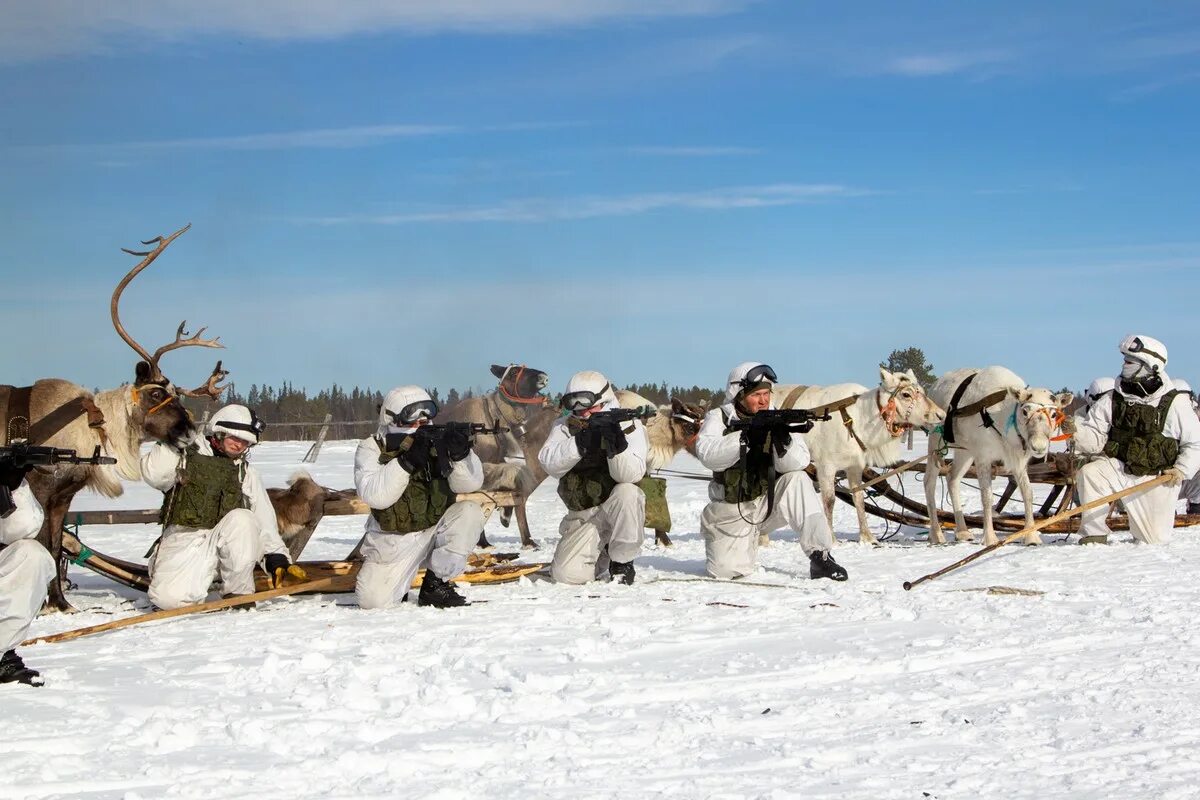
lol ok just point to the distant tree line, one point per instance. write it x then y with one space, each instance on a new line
294 413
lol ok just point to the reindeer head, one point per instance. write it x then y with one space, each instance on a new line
154 400
903 404
686 419
1037 415
521 384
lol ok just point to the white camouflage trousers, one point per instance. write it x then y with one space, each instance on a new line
731 535
1151 513
391 560
187 560
589 539
26 570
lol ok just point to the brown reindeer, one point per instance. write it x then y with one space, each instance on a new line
517 403
58 413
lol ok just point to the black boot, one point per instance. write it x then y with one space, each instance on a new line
13 670
621 572
822 565
1193 508
439 593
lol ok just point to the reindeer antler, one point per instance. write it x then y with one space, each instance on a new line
181 336
180 341
210 389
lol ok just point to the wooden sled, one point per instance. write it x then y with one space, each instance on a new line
487 568
912 512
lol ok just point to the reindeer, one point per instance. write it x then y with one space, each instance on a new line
58 413
516 403
674 428
991 416
865 430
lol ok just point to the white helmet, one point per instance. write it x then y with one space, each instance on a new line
586 390
746 375
236 421
402 407
1150 352
1099 387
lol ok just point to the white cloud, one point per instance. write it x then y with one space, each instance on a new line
32 30
590 207
928 65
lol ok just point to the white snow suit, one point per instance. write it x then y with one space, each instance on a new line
611 531
187 559
391 560
731 530
1151 513
26 568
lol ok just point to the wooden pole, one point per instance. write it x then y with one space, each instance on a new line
200 608
311 456
1037 526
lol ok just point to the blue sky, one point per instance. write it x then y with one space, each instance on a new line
394 192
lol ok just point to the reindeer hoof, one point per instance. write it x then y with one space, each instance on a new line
530 545
988 541
764 540
1032 542
662 538
964 536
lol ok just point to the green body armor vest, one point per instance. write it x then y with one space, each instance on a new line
588 484
1136 436
748 479
206 489
423 503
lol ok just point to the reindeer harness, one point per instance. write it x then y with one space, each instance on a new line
17 423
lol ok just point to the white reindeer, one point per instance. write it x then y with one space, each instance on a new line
864 432
993 418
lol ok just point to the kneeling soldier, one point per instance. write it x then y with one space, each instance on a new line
409 477
26 570
598 467
740 508
217 518
1143 427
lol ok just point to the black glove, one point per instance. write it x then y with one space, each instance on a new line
458 442
614 440
587 439
12 475
781 439
415 456
276 561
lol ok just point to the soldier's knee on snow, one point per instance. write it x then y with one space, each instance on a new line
573 575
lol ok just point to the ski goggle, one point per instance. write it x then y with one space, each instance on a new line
255 425
1138 346
757 375
583 399
422 409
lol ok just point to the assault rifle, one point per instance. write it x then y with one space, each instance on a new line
435 432
22 456
615 417
794 420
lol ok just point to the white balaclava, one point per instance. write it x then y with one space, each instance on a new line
733 386
395 401
592 381
1142 351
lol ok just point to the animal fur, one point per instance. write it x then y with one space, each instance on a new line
835 450
1022 430
126 426
298 510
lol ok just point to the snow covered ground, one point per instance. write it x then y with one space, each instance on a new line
675 687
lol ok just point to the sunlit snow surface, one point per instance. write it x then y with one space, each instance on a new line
663 689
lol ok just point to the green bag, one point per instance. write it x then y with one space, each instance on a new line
658 515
